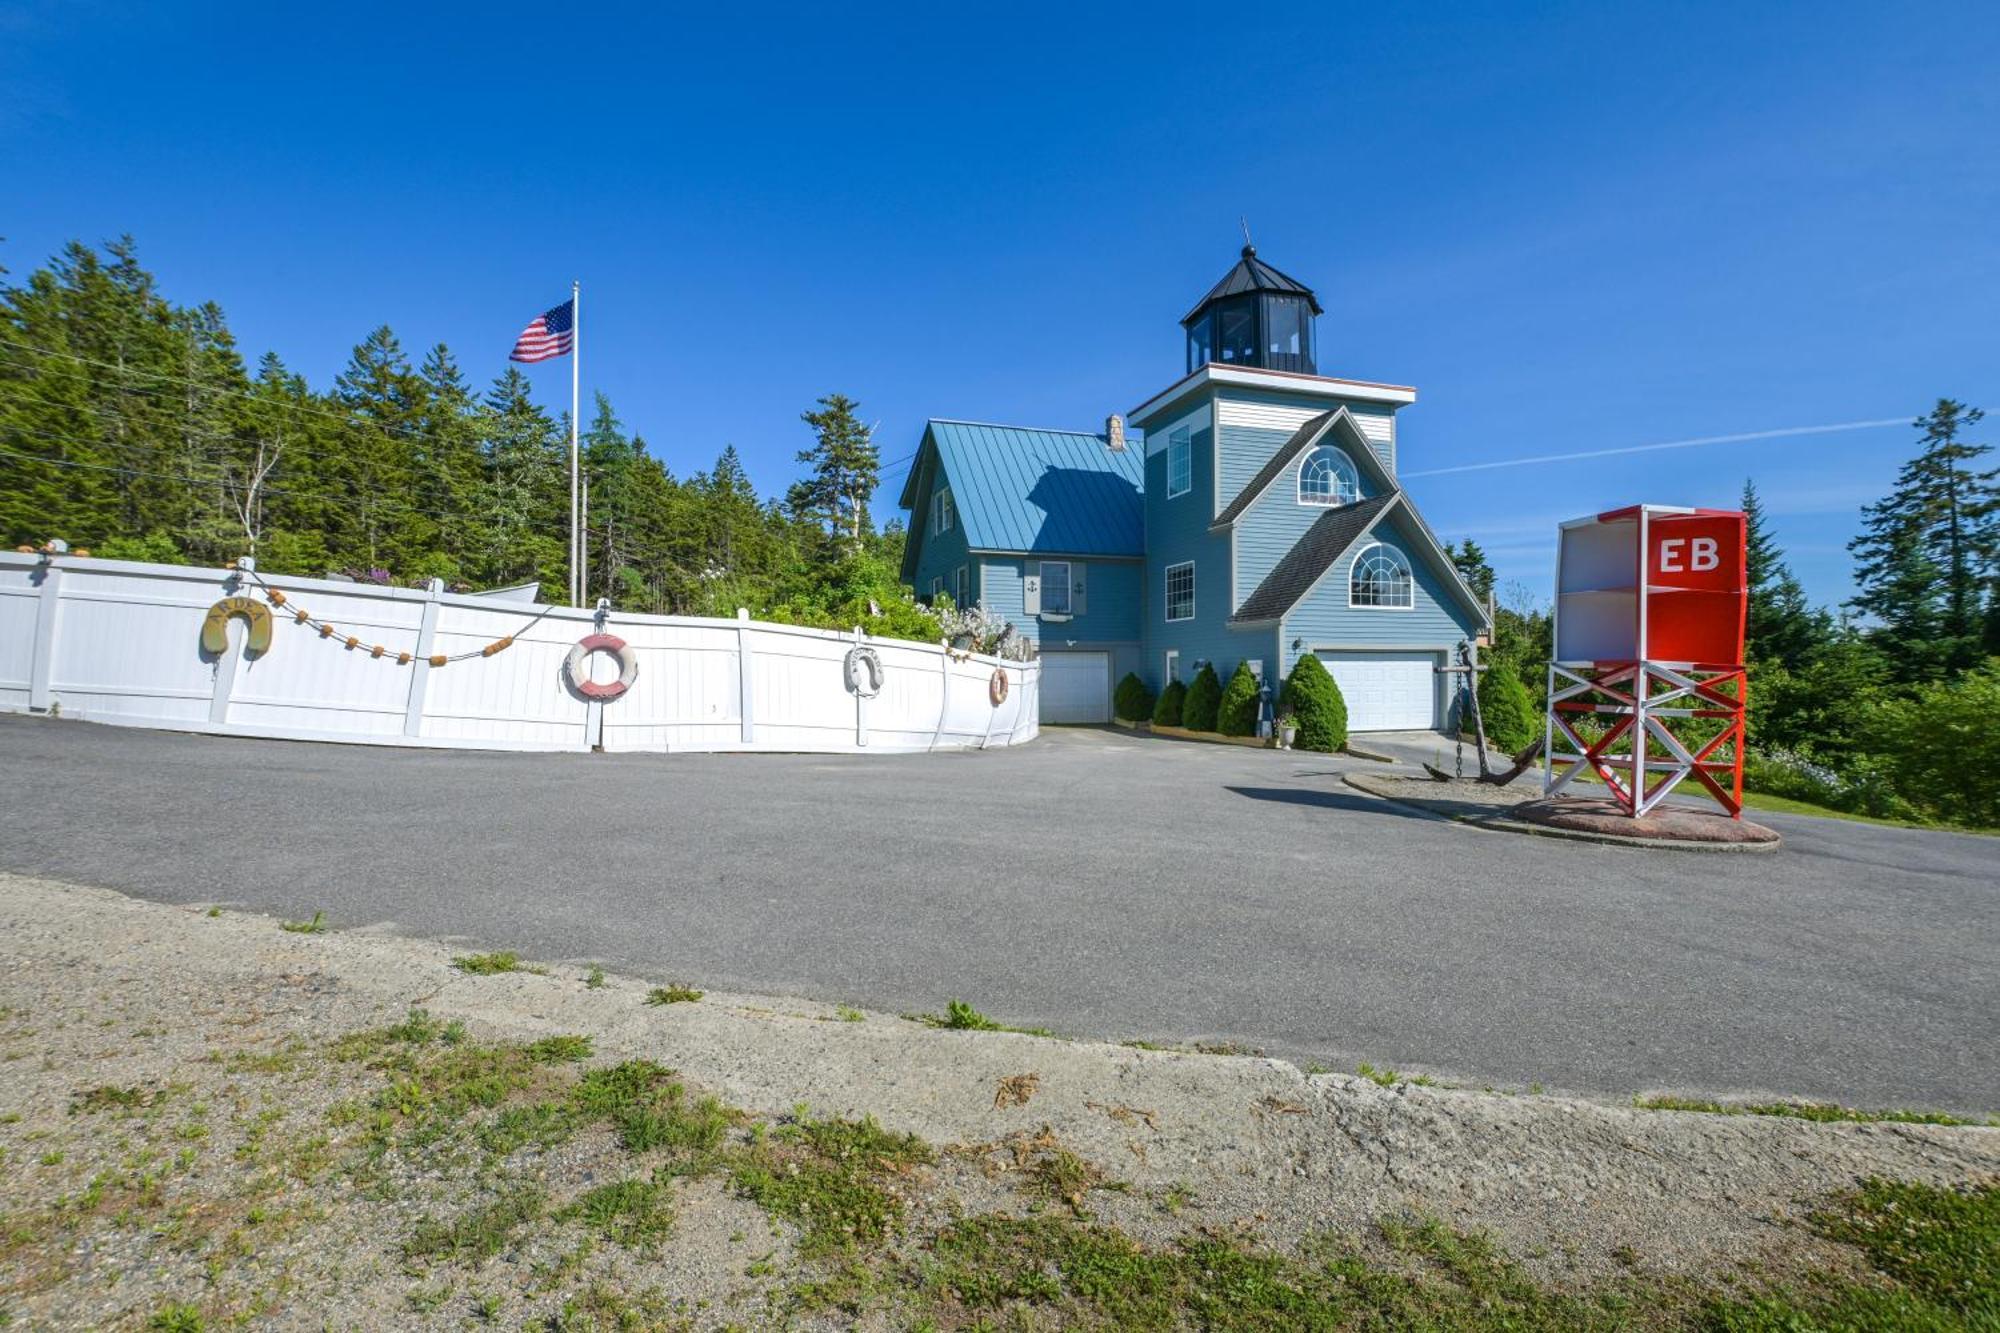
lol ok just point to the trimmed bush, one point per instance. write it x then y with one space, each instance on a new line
1314 702
1237 714
1504 706
1204 699
1132 701
1167 712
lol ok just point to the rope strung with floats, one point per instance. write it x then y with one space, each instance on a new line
353 641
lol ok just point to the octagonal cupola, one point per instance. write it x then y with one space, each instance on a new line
1256 316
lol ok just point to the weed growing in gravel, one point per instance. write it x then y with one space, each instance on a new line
1388 1078
958 1016
108 1098
1824 1112
849 1014
479 1233
176 1319
673 995
488 964
316 926
594 979
636 1214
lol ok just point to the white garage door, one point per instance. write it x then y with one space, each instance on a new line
1386 691
1076 687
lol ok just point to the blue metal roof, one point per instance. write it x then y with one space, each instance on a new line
1059 491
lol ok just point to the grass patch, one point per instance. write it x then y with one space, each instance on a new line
1055 1271
673 995
594 979
480 1233
651 1110
176 1319
637 1214
316 926
1823 1112
958 1016
847 1013
831 1177
488 964
1935 1253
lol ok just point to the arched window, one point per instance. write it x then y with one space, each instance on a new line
1381 578
1327 477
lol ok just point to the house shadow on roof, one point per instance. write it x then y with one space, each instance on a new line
1331 800
1087 512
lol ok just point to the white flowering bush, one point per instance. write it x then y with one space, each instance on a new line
986 632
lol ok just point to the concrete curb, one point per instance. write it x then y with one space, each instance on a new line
1499 824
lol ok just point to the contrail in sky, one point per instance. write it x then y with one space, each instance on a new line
1670 444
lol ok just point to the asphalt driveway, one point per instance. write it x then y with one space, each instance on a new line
1093 882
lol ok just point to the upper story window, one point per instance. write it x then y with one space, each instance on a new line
1381 578
1327 477
1055 587
944 514
1180 463
1180 591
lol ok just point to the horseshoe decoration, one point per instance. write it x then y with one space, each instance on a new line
215 626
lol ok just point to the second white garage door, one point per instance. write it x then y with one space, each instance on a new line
1385 691
1076 687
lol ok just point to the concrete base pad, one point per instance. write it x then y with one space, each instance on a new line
1580 818
1667 823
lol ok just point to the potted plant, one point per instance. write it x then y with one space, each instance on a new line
1287 729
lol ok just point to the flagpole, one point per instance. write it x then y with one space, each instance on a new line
575 381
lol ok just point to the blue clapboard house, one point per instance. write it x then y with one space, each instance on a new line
1248 512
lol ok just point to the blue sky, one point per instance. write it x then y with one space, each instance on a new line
1573 227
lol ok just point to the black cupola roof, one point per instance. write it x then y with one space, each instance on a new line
1252 274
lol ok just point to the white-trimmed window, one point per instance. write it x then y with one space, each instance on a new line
1180 463
961 588
1327 477
1055 588
1180 591
944 514
937 587
1381 579
1173 665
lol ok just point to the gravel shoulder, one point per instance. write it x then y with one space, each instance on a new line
172 1131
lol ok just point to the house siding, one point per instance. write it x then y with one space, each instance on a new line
1266 531
1254 424
1324 619
938 554
1110 621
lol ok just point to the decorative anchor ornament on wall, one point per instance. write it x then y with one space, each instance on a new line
215 626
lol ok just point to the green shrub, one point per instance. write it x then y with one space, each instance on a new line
1938 748
1237 713
1132 701
1167 712
1506 709
1313 699
1204 698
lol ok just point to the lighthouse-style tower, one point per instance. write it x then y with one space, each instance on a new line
1256 316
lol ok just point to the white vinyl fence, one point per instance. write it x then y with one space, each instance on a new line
119 641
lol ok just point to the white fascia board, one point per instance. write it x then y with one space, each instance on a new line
1252 377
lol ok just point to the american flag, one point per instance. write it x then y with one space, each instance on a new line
550 334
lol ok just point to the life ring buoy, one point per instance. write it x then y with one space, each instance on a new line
863 669
215 625
996 689
579 674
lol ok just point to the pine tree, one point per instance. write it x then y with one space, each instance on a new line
1472 567
1925 561
846 467
1781 629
